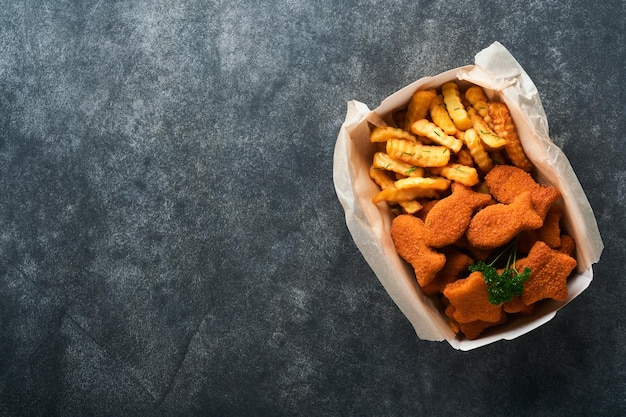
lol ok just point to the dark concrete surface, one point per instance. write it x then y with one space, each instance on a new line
170 238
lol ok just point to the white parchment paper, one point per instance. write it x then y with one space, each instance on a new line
499 73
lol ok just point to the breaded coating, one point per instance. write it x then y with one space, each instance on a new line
550 232
448 220
409 237
473 329
549 271
497 224
516 305
427 205
478 254
567 246
470 299
506 182
456 266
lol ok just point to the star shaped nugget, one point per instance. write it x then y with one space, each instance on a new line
506 182
448 220
470 299
409 237
549 271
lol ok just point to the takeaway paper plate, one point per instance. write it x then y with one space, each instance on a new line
497 71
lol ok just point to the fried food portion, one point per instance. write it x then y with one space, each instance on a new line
516 305
476 149
476 96
382 161
404 198
458 173
435 134
475 328
418 107
384 133
568 245
497 224
504 127
478 254
482 235
549 271
550 232
454 105
440 116
448 220
470 299
409 237
427 205
488 137
464 157
456 266
417 154
506 182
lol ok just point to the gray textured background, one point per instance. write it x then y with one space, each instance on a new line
170 239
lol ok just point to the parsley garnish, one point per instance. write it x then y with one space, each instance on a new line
508 284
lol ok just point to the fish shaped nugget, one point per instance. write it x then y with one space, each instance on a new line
448 220
549 270
409 237
506 182
497 224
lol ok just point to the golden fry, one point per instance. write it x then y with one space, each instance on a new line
504 127
433 132
479 155
464 157
497 158
404 199
410 207
418 107
440 116
459 173
408 194
454 105
417 154
381 177
476 96
384 161
491 141
423 183
384 133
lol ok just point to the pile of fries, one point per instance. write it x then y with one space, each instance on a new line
442 137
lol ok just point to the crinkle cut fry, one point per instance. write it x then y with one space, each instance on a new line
505 128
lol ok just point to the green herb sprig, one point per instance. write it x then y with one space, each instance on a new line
508 284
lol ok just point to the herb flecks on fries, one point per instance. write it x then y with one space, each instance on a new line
469 216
